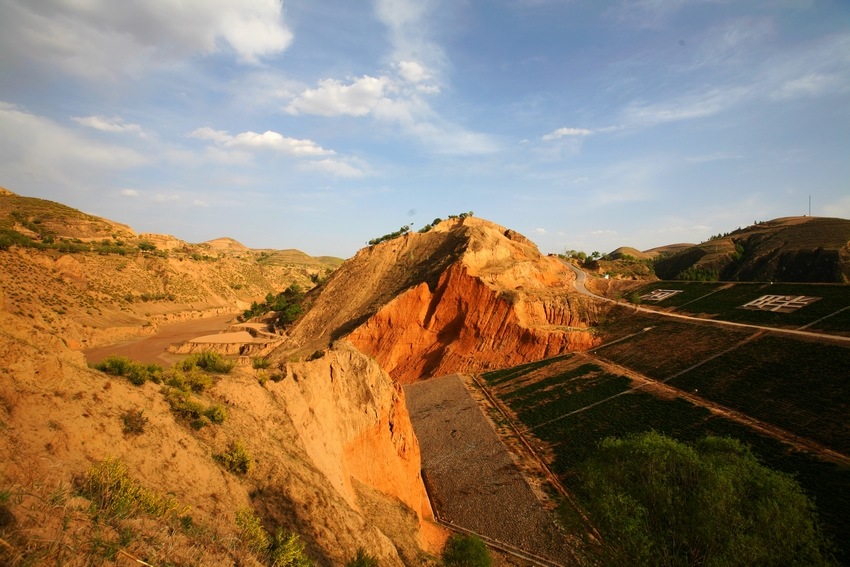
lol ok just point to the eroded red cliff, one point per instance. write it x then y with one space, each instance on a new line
468 296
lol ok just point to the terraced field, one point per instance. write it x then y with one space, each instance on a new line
798 389
724 300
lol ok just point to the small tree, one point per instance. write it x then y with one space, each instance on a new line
660 502
466 551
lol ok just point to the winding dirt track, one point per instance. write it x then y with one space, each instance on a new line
153 348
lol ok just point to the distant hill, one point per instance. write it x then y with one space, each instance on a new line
37 223
791 249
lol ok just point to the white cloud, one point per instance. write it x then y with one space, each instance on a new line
697 104
106 124
266 141
37 150
274 141
129 193
332 98
811 85
333 167
540 231
561 132
413 72
409 31
97 38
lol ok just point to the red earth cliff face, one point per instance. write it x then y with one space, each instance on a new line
466 325
468 295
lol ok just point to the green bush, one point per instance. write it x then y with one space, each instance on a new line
252 532
660 502
284 549
236 458
362 559
134 422
466 551
193 379
183 404
287 550
260 363
136 372
113 493
216 413
207 360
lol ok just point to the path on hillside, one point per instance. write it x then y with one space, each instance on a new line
579 286
154 348
472 479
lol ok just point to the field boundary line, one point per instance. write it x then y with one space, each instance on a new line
579 286
807 325
553 478
736 346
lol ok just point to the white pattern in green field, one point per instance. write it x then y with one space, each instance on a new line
660 294
779 303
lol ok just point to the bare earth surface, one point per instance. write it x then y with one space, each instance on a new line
153 348
473 481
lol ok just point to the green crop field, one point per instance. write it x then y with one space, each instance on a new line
724 301
670 346
575 437
801 386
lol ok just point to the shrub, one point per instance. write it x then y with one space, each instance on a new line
287 550
236 458
362 559
113 493
207 360
134 422
216 413
252 532
466 551
182 404
136 372
193 379
658 501
259 362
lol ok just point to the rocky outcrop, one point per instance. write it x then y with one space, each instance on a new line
469 295
468 326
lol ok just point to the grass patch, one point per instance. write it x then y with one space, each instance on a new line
114 494
236 458
207 360
134 422
136 372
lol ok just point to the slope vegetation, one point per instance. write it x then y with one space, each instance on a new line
96 469
792 249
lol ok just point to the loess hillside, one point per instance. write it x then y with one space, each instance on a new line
191 467
792 249
466 295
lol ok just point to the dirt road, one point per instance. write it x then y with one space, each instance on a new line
153 348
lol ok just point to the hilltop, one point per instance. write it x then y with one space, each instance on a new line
791 249
464 296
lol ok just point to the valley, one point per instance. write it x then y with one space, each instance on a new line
453 380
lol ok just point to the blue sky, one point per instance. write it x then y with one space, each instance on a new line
319 124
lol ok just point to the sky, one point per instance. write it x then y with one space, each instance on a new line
320 124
